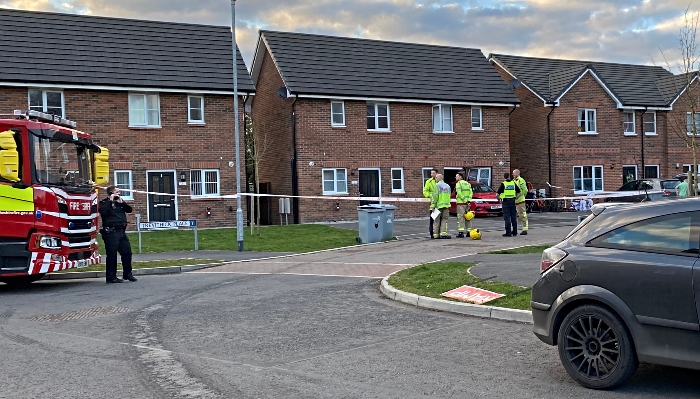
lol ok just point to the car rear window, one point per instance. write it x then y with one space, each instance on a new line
672 234
669 184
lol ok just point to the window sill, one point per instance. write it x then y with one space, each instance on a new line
629 134
338 126
378 131
442 132
478 129
192 123
398 192
335 194
145 127
587 133
206 198
651 134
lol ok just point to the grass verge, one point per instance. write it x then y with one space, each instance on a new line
291 238
534 249
147 265
433 279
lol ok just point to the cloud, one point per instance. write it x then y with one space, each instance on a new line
626 31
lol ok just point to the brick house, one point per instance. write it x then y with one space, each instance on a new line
592 126
356 117
158 95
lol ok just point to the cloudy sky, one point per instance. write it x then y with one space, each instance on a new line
626 31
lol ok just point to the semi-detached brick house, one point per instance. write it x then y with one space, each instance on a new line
592 126
158 95
357 117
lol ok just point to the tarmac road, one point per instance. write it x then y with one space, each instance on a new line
308 326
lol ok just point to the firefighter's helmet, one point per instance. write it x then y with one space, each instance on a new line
469 215
475 234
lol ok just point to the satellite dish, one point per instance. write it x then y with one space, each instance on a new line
514 84
282 92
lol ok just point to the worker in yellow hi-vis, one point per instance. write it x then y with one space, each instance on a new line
463 196
520 205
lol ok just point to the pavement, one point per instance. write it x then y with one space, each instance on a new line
380 260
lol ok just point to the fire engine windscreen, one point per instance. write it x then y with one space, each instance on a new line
60 163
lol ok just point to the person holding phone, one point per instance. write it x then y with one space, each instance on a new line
113 210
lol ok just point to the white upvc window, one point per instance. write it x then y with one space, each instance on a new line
144 110
204 182
338 113
649 120
377 116
49 101
586 121
195 109
442 118
335 181
588 179
628 123
397 180
689 125
123 180
426 175
651 171
477 119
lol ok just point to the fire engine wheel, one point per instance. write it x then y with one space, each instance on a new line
21 280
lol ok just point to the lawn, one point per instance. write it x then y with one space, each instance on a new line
433 279
292 238
147 265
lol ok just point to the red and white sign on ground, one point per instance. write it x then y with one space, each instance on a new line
472 294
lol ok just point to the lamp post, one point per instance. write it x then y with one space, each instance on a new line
239 211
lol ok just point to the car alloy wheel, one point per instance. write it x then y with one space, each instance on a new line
596 348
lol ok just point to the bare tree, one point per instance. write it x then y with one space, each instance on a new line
687 128
256 145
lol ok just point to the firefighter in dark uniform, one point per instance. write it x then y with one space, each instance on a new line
113 210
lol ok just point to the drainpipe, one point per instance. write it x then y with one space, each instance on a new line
549 149
295 178
644 174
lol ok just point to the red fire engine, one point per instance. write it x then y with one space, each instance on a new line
48 198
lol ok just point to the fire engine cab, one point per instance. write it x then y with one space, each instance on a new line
49 173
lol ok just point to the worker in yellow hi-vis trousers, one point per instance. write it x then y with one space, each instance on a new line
463 196
520 204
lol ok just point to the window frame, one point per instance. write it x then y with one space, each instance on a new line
481 118
636 173
440 110
644 124
203 183
342 106
587 121
651 166
124 195
593 169
402 190
335 181
697 124
626 123
376 117
145 110
44 102
190 108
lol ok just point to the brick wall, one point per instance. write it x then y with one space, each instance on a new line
177 145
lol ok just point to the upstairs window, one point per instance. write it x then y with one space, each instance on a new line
195 109
476 119
586 121
689 124
144 110
337 113
649 119
628 122
377 116
47 101
442 118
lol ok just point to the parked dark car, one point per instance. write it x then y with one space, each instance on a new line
622 288
647 189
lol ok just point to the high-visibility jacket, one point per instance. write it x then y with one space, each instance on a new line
463 192
441 197
509 190
522 185
429 189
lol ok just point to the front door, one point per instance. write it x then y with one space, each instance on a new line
161 207
369 185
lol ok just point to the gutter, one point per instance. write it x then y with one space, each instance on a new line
643 134
549 147
295 177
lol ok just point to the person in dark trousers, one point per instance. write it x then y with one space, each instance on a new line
113 210
508 191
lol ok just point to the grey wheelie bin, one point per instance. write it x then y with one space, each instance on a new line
387 221
370 225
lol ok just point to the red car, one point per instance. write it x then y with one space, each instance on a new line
484 201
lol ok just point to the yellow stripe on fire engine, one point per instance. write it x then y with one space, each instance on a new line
16 199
